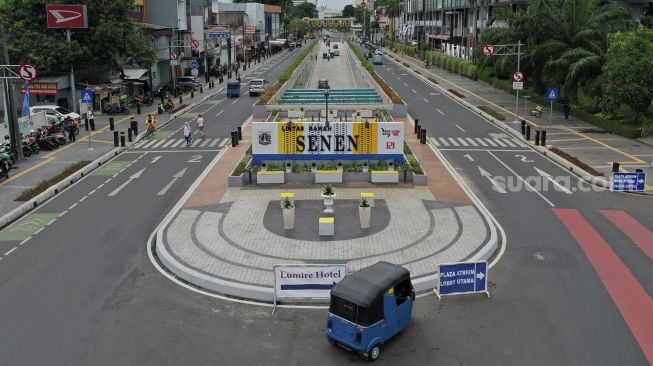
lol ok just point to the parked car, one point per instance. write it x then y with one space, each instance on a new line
336 52
188 83
56 111
335 46
325 55
323 84
257 86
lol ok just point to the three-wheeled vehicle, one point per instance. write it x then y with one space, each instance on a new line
233 89
370 306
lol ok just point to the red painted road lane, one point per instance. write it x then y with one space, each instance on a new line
637 232
635 305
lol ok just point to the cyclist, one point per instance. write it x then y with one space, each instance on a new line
151 125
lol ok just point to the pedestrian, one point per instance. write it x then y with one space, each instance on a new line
188 135
91 119
200 125
67 128
566 110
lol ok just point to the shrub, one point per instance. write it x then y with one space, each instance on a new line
41 187
433 80
492 112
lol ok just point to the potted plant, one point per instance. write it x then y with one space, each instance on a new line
328 194
288 214
364 213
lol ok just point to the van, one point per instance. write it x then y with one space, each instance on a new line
233 89
257 86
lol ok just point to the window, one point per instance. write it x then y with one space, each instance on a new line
343 309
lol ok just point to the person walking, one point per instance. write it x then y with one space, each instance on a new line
566 110
91 119
200 125
188 135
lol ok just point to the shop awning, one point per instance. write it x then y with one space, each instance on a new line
135 74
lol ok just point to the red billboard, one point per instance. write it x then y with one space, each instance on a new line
67 16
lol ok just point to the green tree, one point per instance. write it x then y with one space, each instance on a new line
392 10
304 10
629 71
348 11
113 39
298 27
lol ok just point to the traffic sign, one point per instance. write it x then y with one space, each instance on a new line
194 64
217 35
194 43
517 85
629 182
174 62
27 72
194 72
173 56
552 94
488 50
87 96
462 278
517 76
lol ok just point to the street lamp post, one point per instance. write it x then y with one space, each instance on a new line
326 98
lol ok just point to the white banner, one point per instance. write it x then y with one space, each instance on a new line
307 281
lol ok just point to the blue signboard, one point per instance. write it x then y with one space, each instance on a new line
213 35
194 64
462 278
552 94
629 182
87 96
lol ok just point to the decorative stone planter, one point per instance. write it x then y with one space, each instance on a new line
384 176
328 202
328 176
288 218
365 215
420 179
235 180
271 177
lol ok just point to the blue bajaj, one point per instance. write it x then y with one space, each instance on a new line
369 307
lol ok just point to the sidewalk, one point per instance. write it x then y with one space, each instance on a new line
31 171
228 239
587 142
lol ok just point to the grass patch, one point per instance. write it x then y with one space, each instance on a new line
41 187
456 93
574 160
433 80
242 164
265 97
492 112
406 64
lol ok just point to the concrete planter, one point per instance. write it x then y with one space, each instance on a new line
365 215
420 179
236 180
328 176
355 177
384 176
271 177
288 218
300 177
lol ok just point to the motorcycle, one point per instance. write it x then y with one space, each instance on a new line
114 109
45 141
31 145
4 166
140 99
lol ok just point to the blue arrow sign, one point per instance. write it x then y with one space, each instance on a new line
194 64
87 96
552 94
629 182
462 278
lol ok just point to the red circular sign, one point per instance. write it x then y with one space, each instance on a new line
488 50
194 43
173 56
27 72
517 76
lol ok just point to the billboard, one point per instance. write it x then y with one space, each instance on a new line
316 140
307 281
66 16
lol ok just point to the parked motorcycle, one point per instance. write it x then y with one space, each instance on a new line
141 99
31 145
114 109
45 141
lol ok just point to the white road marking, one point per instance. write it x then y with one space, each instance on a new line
519 143
219 113
38 231
426 100
10 250
522 179
462 141
471 141
174 179
490 142
508 142
107 181
214 143
414 91
159 143
135 176
170 142
550 178
100 186
73 206
439 111
444 142
453 142
480 141
179 142
223 143
498 141
91 192
235 101
460 128
149 144
83 198
63 213
24 241
405 83
205 142
434 141
196 142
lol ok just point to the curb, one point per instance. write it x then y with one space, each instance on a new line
573 168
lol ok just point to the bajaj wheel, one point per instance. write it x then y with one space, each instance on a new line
374 353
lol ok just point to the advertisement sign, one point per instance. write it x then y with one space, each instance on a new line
41 88
250 30
462 278
312 281
340 140
66 16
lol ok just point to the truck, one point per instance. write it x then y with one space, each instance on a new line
233 89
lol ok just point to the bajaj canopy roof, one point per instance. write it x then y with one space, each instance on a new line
362 287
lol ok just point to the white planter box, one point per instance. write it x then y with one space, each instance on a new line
384 176
327 226
328 176
288 218
274 177
365 214
365 113
294 113
333 113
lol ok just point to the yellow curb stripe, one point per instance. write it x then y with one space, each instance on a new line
565 140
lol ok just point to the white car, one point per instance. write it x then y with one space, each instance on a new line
60 113
378 52
257 86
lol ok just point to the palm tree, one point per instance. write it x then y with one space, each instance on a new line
392 10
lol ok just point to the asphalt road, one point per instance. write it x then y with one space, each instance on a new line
82 291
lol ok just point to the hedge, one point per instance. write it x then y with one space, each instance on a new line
453 64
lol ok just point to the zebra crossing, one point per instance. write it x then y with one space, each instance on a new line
477 142
172 143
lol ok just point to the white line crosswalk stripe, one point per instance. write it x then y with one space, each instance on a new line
159 143
179 142
223 143
453 142
170 141
434 141
471 141
462 141
480 141
498 141
149 144
490 142
508 142
205 142
443 141
214 143
138 144
196 142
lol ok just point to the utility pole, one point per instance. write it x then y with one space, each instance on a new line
511 50
72 76
14 131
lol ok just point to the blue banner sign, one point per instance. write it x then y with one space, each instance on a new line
462 278
87 96
628 182
214 35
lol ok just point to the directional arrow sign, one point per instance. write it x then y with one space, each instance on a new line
135 176
550 178
497 186
174 178
462 278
